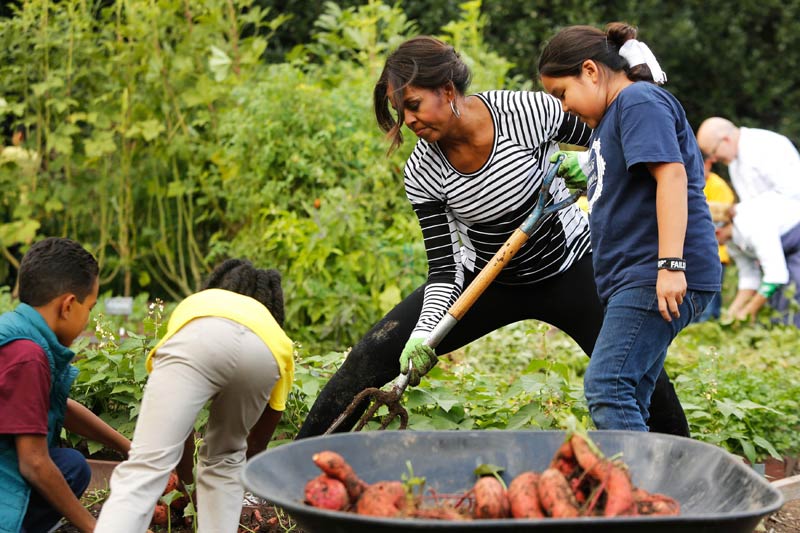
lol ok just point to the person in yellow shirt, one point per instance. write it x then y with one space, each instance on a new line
225 344
720 197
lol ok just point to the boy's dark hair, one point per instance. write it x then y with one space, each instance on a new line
239 275
56 266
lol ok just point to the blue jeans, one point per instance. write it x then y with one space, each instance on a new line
630 354
714 308
41 516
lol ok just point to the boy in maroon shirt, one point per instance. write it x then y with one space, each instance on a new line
40 481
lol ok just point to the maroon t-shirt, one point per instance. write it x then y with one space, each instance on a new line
24 388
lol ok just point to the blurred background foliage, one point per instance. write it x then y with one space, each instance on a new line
168 135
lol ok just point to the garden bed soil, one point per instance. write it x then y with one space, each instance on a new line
786 520
254 519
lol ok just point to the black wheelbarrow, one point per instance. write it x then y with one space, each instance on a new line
716 490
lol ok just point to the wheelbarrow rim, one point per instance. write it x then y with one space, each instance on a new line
350 441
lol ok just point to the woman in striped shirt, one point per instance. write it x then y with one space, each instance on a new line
472 179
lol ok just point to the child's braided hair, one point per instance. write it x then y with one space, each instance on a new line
240 276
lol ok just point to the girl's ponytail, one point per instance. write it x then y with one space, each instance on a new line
641 64
617 49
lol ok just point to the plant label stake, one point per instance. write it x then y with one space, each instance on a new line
391 398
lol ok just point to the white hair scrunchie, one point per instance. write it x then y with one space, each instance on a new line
637 53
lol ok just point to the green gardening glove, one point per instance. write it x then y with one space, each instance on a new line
422 358
574 168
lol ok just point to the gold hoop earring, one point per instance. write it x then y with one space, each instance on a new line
454 109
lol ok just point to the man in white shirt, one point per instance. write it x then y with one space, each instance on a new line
758 160
764 241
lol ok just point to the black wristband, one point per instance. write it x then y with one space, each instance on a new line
672 263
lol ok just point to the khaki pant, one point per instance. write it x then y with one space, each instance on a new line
210 358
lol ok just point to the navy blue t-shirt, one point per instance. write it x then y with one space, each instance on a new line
644 124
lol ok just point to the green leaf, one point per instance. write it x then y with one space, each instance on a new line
445 398
171 496
488 469
41 88
18 232
764 443
60 143
139 370
536 365
442 424
146 129
728 408
747 404
93 447
124 387
219 63
100 144
390 296
749 449
97 377
417 397
523 416
176 189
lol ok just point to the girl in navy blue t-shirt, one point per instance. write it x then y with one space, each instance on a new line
655 255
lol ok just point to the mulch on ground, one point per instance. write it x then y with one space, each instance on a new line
263 518
266 519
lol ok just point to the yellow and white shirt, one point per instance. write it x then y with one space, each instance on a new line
248 312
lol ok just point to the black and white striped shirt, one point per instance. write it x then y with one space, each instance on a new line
465 218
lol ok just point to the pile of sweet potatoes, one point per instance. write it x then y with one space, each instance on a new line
579 481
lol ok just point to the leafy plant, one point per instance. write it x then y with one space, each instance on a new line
111 371
167 144
740 394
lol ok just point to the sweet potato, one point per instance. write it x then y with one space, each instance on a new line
555 496
384 498
160 514
336 467
619 491
172 483
614 478
523 496
564 459
491 499
655 504
582 487
327 493
587 458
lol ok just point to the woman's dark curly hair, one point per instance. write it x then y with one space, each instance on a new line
240 276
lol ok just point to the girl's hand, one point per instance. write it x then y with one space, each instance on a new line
670 289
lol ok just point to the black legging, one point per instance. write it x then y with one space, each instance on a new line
568 301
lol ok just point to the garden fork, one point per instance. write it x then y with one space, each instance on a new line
391 398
